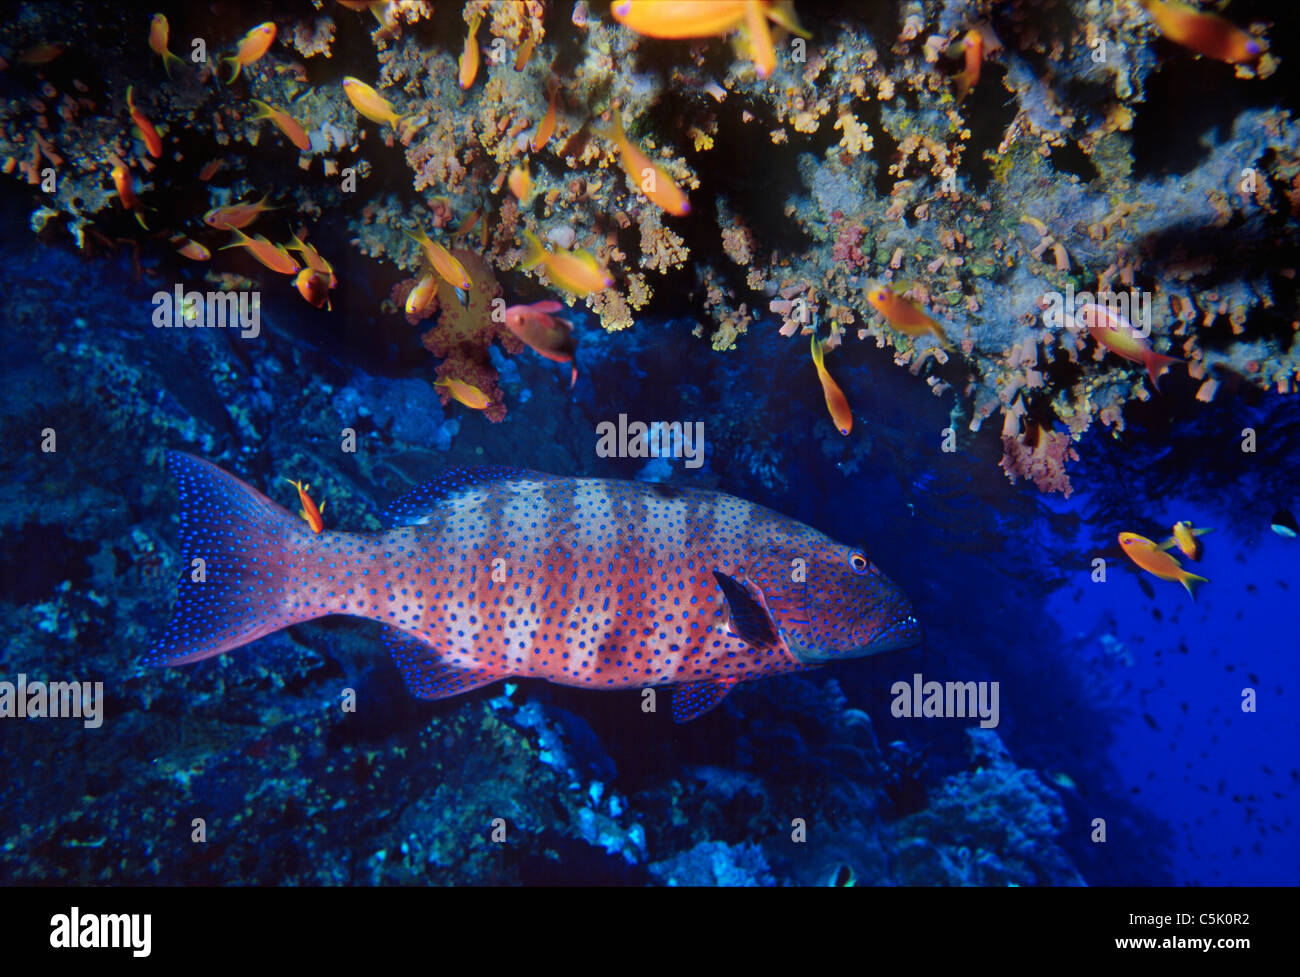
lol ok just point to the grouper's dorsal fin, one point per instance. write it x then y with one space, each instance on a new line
413 507
748 615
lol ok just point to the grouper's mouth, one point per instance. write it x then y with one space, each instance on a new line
904 632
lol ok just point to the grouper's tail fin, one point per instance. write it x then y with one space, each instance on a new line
249 549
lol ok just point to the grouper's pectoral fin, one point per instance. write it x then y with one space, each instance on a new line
748 615
425 675
694 699
750 621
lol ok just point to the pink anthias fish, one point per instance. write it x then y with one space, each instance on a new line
1115 333
494 573
548 334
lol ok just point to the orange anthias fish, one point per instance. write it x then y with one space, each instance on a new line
236 216
283 121
210 169
1184 538
650 179
314 286
469 58
521 184
1204 32
152 141
680 19
973 52
836 402
904 316
40 54
525 53
159 31
310 514
466 225
761 49
376 7
313 259
443 262
465 393
190 249
539 327
1117 334
370 103
420 298
546 128
124 184
274 256
252 46
1157 562
576 272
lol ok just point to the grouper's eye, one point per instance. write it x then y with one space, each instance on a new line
858 562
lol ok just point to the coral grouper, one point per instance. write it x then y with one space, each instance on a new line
495 572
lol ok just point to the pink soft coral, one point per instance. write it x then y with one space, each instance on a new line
1041 459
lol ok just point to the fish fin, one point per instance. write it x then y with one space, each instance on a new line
413 507
263 110
233 59
574 378
549 307
535 253
1156 364
694 699
962 82
168 58
1168 544
427 677
241 239
1190 581
238 533
748 615
140 219
1202 530
782 13
761 48
818 354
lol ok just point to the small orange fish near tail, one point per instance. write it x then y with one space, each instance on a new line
310 514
